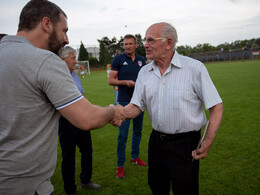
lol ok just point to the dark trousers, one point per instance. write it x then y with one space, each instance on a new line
35 193
70 137
170 162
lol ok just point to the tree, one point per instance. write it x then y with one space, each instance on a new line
113 46
104 56
184 50
83 53
223 47
93 62
207 47
140 50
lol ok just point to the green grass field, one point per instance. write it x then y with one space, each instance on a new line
231 166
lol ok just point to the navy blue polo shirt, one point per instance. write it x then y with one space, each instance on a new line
127 70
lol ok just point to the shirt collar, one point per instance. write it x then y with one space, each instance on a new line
174 62
128 56
15 38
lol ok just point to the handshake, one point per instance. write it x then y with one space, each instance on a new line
119 115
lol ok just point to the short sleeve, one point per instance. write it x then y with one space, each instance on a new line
55 80
115 64
206 89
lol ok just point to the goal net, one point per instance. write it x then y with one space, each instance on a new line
83 67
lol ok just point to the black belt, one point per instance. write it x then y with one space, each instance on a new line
164 136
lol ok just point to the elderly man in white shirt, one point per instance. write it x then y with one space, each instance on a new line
174 89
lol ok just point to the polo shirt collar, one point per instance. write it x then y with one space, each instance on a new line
15 38
128 56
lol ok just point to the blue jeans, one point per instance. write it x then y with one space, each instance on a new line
116 96
122 138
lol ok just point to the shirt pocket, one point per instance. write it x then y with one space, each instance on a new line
179 95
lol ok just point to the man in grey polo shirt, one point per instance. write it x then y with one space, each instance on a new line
36 87
174 89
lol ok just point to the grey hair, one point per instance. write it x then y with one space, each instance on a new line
64 52
169 31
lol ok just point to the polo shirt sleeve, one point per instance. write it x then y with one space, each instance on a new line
56 82
138 97
205 88
115 64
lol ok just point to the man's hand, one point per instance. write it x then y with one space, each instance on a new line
112 80
215 117
119 116
130 83
202 152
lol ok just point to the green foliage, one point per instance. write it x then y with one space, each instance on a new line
114 46
232 165
83 53
205 47
140 50
110 48
104 56
93 62
184 50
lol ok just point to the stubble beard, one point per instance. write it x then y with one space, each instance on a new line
54 43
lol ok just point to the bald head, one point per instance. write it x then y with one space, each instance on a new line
165 30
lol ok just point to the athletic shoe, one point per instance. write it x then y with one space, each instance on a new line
120 174
90 185
139 162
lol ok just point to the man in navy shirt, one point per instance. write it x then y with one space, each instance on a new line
125 67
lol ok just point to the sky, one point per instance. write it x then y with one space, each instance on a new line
196 21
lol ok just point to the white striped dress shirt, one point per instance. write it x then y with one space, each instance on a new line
175 101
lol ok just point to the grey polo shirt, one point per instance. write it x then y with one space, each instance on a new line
35 83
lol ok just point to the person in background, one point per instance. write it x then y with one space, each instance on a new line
82 71
116 95
174 89
114 87
71 136
124 71
42 90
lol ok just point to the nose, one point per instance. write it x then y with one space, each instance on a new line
66 39
146 44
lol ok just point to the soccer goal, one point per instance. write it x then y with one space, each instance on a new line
84 67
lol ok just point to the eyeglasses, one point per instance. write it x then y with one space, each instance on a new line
151 40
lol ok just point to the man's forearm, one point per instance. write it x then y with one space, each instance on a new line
215 118
87 116
115 82
104 116
107 115
131 111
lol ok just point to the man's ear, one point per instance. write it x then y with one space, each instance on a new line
47 25
169 43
